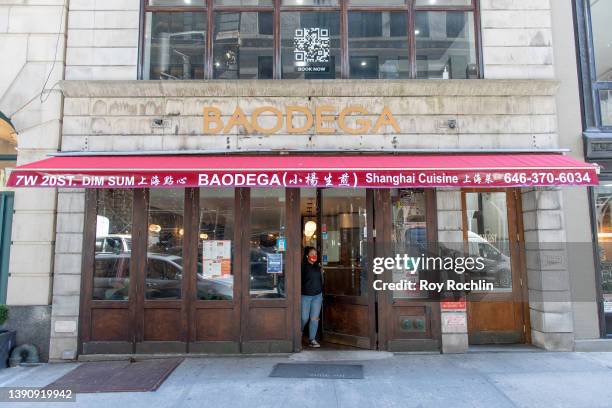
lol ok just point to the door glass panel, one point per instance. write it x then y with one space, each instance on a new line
603 202
267 254
409 235
113 245
488 238
164 268
344 241
215 276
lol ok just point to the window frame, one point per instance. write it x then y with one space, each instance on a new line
343 7
590 86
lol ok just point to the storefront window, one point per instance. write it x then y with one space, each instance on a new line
603 206
243 46
215 276
268 243
445 45
486 217
113 246
409 235
310 45
175 45
377 45
164 267
316 39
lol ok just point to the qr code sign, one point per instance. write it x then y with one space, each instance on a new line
311 45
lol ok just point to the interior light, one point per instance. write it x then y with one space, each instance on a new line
155 228
187 1
310 228
417 32
181 232
363 63
203 236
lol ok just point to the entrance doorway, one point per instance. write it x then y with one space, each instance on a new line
339 224
493 231
349 228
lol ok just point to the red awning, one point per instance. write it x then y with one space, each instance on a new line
368 171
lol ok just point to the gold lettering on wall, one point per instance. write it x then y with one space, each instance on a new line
325 119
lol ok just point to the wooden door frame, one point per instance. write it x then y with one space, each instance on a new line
371 297
516 237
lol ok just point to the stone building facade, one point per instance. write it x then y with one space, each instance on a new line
94 102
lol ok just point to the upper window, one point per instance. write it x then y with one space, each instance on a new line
309 39
595 40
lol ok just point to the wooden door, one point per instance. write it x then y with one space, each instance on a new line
270 264
492 231
405 223
346 244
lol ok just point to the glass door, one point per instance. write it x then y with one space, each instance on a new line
491 232
345 218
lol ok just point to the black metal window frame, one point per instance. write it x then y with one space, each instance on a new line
591 87
343 7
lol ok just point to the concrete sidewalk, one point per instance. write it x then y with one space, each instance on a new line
486 379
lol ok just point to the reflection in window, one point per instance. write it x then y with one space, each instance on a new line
488 238
175 45
243 45
164 269
601 14
603 203
445 45
344 241
378 45
215 275
409 234
605 100
113 245
267 254
310 45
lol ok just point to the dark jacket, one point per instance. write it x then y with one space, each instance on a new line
312 280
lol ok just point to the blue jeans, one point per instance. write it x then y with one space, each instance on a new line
311 309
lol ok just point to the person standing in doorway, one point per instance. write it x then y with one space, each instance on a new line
312 294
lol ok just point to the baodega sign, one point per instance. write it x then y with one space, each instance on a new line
352 120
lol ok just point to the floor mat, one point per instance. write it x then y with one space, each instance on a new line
318 370
117 376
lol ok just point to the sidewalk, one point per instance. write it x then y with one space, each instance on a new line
508 379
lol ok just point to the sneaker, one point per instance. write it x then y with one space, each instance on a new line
314 344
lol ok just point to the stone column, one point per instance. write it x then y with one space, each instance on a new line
450 233
550 306
67 274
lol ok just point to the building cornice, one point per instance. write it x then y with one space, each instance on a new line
314 88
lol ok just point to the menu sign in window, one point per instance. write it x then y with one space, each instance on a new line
216 258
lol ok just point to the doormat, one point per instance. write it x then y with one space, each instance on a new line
117 376
318 370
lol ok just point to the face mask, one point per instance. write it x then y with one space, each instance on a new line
312 258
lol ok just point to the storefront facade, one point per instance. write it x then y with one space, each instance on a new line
214 267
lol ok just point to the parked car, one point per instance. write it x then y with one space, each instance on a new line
498 268
164 278
115 243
